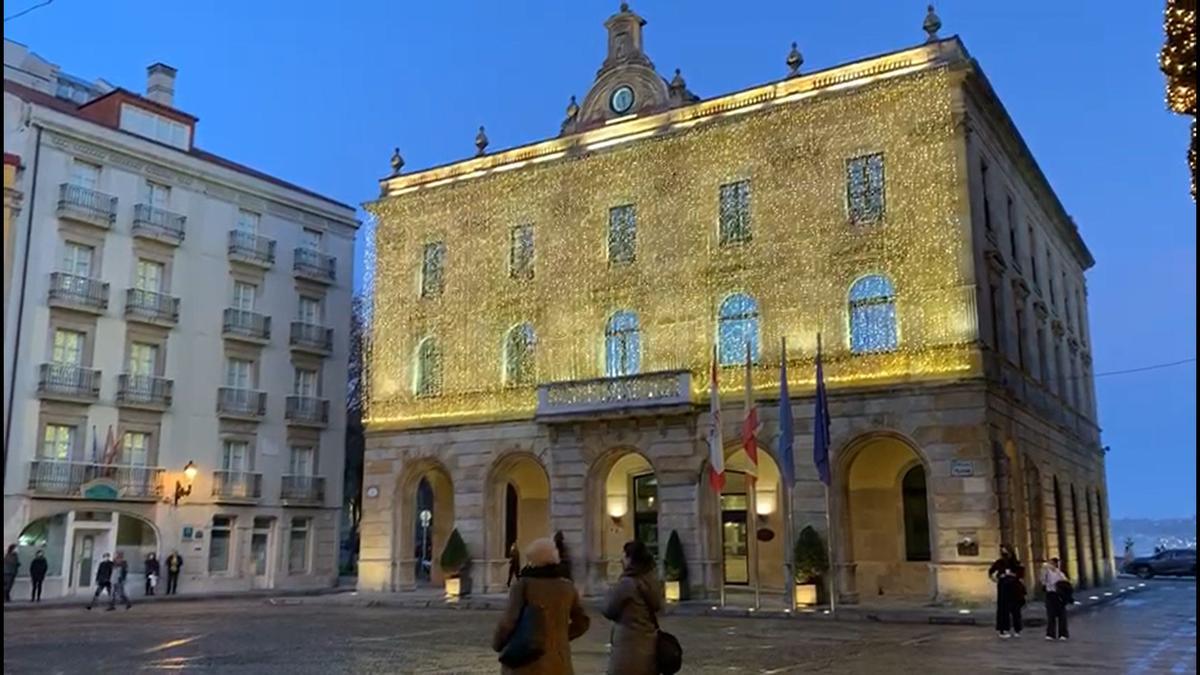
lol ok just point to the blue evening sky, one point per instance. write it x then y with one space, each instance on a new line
319 92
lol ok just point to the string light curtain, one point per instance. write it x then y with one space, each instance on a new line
798 267
1178 62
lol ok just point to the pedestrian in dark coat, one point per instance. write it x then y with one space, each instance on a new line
564 619
103 580
564 559
152 572
514 565
121 567
37 574
1006 573
632 604
12 563
174 565
1059 594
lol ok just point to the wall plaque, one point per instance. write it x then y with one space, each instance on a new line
962 468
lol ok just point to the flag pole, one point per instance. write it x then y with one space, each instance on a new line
833 572
789 554
721 530
752 491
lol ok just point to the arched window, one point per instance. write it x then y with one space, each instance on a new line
916 515
737 327
518 355
622 345
428 380
873 315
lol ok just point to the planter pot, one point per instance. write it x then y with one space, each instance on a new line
453 588
672 591
806 595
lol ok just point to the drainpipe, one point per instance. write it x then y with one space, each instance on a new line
16 363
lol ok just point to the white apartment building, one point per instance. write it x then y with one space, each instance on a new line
194 309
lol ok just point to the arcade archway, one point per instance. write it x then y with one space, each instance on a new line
425 488
518 511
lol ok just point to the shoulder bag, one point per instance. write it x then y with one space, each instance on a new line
527 643
668 653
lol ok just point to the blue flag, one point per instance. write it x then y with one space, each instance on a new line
786 429
821 424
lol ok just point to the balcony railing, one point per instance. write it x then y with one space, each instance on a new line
241 403
307 411
311 337
88 206
615 394
63 478
158 224
144 391
159 309
315 266
251 248
237 485
245 325
75 292
302 489
70 382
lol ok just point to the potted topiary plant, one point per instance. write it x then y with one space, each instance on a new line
675 569
812 562
454 563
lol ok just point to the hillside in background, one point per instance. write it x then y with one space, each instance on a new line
1147 533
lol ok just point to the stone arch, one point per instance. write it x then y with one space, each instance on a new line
613 514
519 474
870 518
408 547
1079 525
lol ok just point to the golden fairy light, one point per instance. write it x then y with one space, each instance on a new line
1178 62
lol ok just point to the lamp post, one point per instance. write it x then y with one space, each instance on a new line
189 472
426 518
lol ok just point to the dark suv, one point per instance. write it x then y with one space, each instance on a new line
1175 562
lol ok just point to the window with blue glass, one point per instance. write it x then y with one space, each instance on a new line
622 345
873 315
737 327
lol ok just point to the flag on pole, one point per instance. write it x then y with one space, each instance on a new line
750 421
110 447
716 449
821 424
95 445
786 424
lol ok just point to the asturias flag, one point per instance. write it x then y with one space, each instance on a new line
821 424
786 425
716 449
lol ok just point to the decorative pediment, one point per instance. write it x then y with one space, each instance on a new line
1020 288
1040 309
1056 327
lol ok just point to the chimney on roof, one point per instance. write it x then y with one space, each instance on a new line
160 84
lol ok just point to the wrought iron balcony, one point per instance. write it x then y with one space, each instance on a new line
315 266
86 206
249 326
159 309
244 404
144 391
68 382
307 411
629 394
251 249
302 489
63 478
72 291
158 224
239 486
311 337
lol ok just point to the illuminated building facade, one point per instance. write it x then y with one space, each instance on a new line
544 319
1178 62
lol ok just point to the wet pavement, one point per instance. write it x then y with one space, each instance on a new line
1150 632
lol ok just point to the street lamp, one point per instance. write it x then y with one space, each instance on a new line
189 472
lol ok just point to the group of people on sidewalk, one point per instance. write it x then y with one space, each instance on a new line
1008 574
632 605
105 583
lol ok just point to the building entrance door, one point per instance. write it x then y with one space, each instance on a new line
260 552
734 543
84 560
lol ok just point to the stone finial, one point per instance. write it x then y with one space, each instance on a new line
794 61
397 162
932 25
481 142
677 83
572 110
624 6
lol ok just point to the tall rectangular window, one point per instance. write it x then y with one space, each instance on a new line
298 546
302 461
433 261
865 192
248 221
735 213
305 382
220 540
309 310
85 174
994 295
311 239
135 448
1020 338
77 259
622 234
1010 220
157 195
1050 277
239 373
143 359
520 252
1033 263
149 276
987 201
68 347
244 295
1043 357
58 442
235 456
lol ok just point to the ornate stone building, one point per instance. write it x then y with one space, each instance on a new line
545 318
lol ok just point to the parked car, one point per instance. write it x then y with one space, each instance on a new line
1175 562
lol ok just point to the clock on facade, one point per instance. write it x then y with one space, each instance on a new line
372 492
621 100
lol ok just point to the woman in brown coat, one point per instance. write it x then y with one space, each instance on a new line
564 619
632 605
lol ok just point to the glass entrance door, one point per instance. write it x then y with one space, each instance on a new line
83 563
734 542
260 552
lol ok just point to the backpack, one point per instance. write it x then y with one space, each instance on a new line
668 653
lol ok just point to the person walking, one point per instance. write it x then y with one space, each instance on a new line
37 574
564 559
174 565
12 563
632 605
152 572
1058 596
121 568
1006 573
541 585
103 580
514 564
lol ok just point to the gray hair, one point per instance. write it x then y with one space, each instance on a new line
541 552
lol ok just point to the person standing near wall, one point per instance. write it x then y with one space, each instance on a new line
1006 573
12 563
174 565
37 575
152 572
1058 596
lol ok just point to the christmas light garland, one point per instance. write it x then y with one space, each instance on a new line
1178 62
